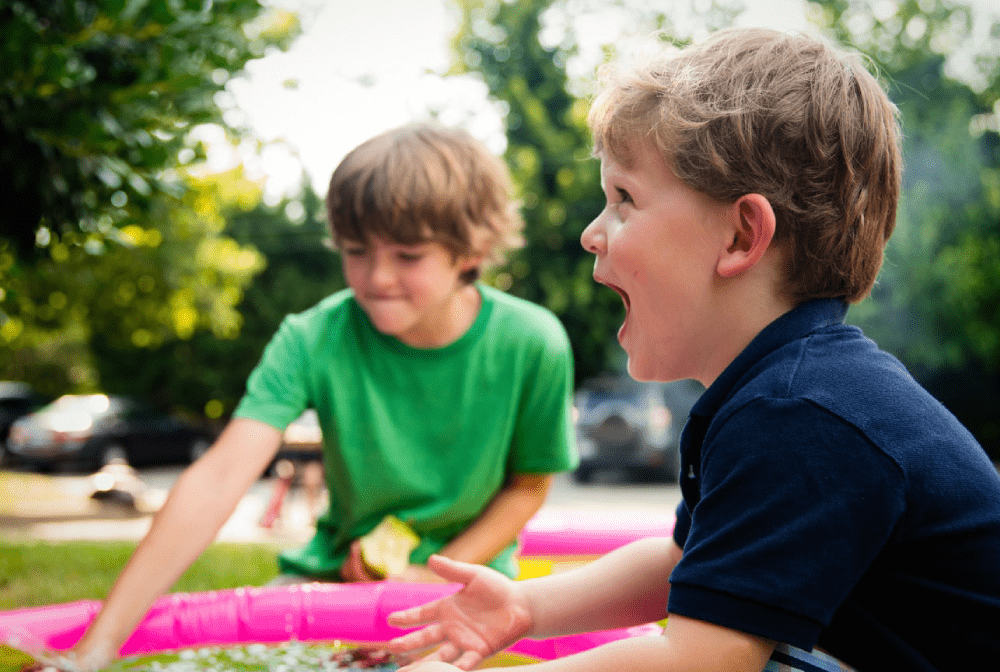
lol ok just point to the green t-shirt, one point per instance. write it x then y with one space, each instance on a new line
428 435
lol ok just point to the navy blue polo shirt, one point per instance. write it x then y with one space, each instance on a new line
830 501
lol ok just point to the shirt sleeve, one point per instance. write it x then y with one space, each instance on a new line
543 440
795 505
277 391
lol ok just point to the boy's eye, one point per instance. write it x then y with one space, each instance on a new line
410 256
623 195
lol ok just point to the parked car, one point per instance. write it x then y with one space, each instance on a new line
91 430
16 399
631 428
303 438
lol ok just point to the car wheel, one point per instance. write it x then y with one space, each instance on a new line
113 453
198 448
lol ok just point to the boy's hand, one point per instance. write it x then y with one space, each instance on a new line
86 656
70 661
487 615
353 570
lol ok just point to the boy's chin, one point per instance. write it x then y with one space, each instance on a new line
385 323
648 374
638 372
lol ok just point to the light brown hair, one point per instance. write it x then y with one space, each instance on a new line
785 116
426 182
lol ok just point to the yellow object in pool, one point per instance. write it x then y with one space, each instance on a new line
531 567
386 549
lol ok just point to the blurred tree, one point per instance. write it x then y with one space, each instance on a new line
207 372
96 97
548 153
937 304
112 245
301 270
109 306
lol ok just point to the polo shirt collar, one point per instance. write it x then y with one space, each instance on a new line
792 326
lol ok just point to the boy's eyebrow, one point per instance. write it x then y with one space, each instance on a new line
617 175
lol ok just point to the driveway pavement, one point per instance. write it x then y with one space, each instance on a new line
33 506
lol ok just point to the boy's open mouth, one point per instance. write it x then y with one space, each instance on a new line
619 291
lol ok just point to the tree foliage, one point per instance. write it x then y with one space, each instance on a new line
547 151
937 304
206 370
157 283
301 269
96 97
113 245
124 264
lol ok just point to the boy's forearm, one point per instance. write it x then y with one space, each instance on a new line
501 521
699 647
628 586
171 545
199 504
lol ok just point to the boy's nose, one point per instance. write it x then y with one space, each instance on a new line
593 238
381 273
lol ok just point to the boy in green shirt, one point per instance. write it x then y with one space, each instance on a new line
442 402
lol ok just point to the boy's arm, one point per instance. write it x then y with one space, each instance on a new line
628 586
501 521
687 645
199 504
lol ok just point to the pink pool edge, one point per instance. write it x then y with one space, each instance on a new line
309 612
594 532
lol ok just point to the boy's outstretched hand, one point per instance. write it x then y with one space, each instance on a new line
487 615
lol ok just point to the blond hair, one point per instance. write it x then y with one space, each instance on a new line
784 116
425 182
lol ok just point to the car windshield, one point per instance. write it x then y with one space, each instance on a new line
90 404
78 412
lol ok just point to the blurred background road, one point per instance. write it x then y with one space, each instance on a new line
60 508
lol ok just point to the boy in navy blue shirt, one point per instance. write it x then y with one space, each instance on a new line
835 515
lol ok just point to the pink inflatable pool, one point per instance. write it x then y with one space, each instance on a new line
312 612
589 533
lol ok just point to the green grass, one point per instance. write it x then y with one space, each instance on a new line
39 573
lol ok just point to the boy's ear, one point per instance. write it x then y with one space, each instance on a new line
751 225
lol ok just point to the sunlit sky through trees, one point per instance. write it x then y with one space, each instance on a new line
362 66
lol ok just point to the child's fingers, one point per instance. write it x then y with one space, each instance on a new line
353 568
452 570
450 653
53 660
430 636
414 616
467 660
